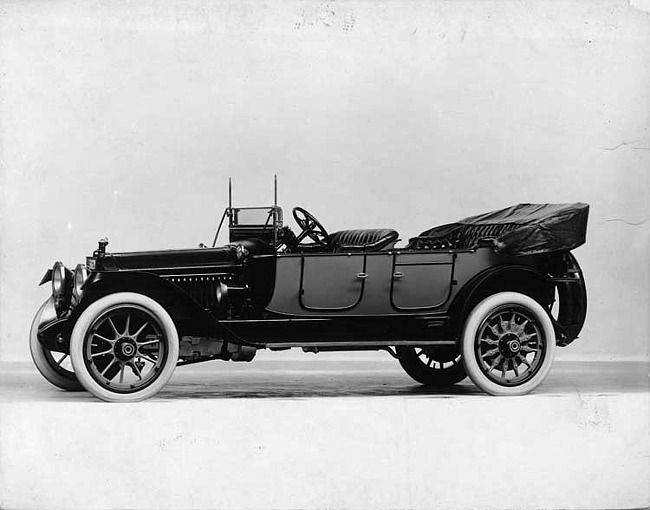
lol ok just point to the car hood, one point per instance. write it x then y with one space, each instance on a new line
171 259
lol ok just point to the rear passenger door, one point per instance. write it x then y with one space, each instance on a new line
420 280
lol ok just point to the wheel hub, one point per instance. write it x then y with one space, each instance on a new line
509 345
125 349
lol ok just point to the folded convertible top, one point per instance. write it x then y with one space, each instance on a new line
524 229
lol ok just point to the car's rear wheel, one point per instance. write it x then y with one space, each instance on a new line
54 366
124 347
508 344
432 365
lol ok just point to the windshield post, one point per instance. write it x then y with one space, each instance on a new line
275 210
226 212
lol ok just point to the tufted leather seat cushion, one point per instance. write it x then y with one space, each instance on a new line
372 239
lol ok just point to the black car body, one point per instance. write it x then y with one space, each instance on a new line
127 319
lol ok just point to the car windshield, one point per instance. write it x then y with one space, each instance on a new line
255 216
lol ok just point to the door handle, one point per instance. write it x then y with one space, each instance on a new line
362 276
398 275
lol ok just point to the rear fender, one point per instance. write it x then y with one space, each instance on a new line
572 299
564 274
516 278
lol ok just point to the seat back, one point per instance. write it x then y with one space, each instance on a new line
372 239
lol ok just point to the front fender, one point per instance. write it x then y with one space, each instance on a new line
183 310
189 317
51 328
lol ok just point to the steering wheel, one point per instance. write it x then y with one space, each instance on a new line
310 226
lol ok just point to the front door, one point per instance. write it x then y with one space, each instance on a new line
332 281
421 280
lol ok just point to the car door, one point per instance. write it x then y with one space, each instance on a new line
332 281
421 280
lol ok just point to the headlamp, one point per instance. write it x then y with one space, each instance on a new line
58 279
80 276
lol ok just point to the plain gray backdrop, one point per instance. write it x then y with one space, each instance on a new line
125 119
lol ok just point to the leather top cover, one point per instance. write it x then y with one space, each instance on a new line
523 229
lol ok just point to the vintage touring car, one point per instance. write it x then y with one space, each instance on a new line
490 296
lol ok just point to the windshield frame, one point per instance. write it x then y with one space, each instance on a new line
274 220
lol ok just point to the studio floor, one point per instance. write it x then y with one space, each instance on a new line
328 432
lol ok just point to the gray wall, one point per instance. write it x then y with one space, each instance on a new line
126 119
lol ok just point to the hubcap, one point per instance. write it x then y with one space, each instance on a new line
514 347
124 349
510 346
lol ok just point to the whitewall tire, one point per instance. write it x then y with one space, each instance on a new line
508 344
54 366
124 347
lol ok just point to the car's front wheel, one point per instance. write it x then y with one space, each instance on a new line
508 344
55 367
432 365
124 347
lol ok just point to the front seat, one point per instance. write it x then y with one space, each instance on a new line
371 239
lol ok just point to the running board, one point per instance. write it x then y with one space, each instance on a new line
353 345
